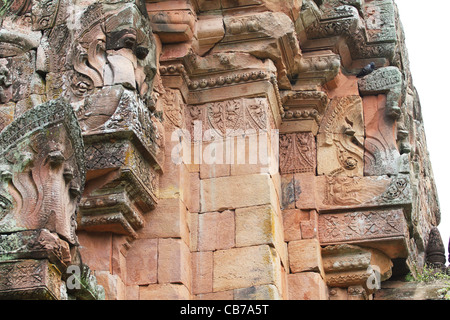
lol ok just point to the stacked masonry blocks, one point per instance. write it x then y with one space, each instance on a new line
237 245
167 272
306 278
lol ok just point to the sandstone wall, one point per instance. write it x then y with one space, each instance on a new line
229 149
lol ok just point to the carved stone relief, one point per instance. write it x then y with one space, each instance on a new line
352 192
382 92
42 171
297 153
341 138
230 117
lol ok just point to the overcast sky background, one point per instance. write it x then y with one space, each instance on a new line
426 29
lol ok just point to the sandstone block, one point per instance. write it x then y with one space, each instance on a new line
167 220
221 295
309 227
307 286
193 231
216 230
292 219
141 262
114 287
245 267
96 249
305 185
305 255
260 225
236 191
290 191
166 291
174 262
202 272
263 292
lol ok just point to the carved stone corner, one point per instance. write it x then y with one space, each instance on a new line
29 279
224 76
122 186
384 230
341 138
271 34
354 272
389 81
316 68
172 24
357 31
303 110
297 153
361 193
35 244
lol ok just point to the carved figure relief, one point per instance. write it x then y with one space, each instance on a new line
173 107
42 171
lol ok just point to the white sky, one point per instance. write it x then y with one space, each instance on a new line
426 31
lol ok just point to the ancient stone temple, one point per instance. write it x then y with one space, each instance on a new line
210 149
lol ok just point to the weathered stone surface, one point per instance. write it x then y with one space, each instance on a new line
374 226
355 192
202 272
29 279
399 290
360 268
248 190
216 230
173 262
263 292
166 291
43 171
341 138
221 149
167 220
304 255
142 262
245 267
435 251
35 244
260 225
307 286
381 154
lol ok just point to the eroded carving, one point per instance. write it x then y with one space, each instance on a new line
341 138
297 153
38 151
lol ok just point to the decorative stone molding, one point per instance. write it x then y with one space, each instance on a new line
340 192
357 269
388 80
30 279
172 23
368 29
303 110
128 190
297 153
